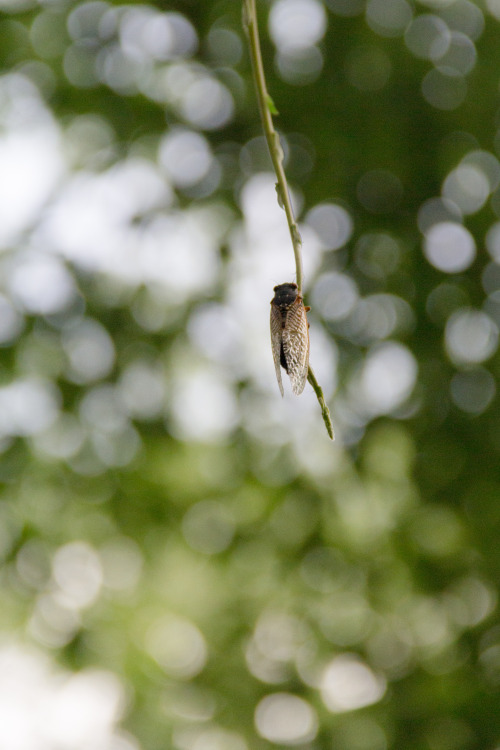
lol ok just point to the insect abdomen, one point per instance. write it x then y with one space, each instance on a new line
282 358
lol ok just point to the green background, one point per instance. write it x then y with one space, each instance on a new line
183 555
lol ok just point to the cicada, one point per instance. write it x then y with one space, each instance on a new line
290 335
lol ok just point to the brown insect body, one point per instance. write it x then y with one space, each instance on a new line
290 335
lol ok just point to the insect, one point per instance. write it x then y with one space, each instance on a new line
290 335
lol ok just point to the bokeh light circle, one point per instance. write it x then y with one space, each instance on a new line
286 719
471 336
449 247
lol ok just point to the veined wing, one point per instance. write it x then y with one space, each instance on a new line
276 335
295 338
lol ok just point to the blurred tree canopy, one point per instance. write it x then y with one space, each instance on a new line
187 561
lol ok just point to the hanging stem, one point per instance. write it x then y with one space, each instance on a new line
266 106
325 411
267 109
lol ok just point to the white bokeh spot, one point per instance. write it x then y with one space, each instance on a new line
348 684
286 719
449 247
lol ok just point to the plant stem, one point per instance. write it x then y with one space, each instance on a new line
266 107
324 408
272 137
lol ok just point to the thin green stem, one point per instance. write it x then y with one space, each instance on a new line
324 408
273 141
266 108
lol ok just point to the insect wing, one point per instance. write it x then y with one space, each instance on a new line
276 334
296 346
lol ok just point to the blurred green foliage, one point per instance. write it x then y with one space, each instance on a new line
188 556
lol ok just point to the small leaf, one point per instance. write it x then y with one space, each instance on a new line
271 105
296 236
277 146
281 203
